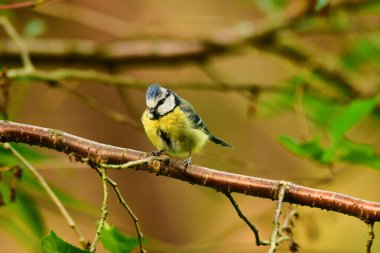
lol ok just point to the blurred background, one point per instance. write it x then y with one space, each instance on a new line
254 70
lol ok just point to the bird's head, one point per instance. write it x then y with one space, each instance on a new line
160 101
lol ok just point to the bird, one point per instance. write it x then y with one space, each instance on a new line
173 126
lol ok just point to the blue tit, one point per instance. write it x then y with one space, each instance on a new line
173 126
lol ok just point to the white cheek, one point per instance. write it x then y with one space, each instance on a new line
167 106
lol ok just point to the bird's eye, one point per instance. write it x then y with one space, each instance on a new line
160 102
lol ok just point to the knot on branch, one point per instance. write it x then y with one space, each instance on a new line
280 190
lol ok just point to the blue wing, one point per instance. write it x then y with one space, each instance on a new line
195 119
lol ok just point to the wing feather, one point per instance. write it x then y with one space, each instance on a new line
193 116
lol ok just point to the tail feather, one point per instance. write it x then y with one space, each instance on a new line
216 140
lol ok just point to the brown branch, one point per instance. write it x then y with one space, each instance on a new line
367 211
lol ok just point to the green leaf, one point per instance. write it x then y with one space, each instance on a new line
349 117
34 28
12 226
360 154
29 182
26 209
270 5
53 244
311 149
320 4
364 52
7 158
320 110
116 242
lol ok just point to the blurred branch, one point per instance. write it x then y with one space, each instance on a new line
90 18
50 192
18 41
222 181
60 75
26 4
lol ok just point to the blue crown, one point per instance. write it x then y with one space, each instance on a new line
153 91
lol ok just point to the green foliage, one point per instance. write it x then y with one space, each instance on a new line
53 244
6 12
26 210
116 242
270 5
34 28
6 157
310 149
339 148
360 154
350 116
23 220
320 4
365 51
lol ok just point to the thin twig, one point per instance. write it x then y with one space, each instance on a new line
50 192
104 210
12 33
92 102
245 219
132 164
276 223
371 237
287 229
122 201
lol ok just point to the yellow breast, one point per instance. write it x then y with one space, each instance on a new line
181 137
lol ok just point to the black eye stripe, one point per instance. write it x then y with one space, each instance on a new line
161 101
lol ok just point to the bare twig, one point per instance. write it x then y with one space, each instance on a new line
287 229
283 186
50 192
371 237
134 164
122 201
245 219
12 33
104 211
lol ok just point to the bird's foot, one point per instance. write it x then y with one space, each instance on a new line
157 152
187 162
